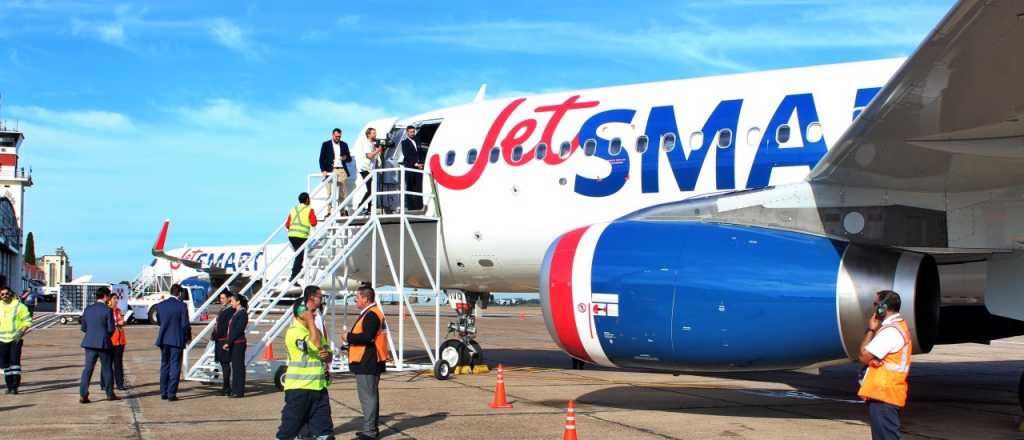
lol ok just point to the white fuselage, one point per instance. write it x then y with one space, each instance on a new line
509 211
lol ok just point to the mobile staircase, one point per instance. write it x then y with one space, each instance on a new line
329 254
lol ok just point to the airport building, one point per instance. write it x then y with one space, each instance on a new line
57 268
13 182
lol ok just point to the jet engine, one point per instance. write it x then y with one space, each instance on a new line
695 296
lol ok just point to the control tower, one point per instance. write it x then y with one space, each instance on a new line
13 181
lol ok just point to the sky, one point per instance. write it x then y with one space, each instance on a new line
211 113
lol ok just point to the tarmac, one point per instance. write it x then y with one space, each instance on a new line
966 391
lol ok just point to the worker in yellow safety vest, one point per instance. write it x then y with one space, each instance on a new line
301 220
367 355
886 353
15 320
306 380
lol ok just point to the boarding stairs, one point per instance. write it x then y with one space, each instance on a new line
331 244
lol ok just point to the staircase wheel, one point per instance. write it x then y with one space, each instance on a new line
442 370
279 377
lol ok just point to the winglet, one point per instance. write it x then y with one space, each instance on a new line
480 93
161 239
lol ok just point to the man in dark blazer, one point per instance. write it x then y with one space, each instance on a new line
174 335
413 180
97 323
334 159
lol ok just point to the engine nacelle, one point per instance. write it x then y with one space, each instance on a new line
691 296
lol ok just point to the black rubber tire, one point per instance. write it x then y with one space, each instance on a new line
459 347
279 377
63 320
475 353
152 316
442 371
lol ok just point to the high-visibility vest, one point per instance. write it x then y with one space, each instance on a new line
14 318
305 370
888 381
300 225
380 342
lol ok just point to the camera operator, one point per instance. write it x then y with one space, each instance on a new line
367 159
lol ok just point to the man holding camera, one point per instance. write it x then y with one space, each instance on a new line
366 160
886 353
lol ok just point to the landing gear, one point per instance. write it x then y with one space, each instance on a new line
462 350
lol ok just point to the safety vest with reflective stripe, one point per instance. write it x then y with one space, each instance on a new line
14 318
300 224
888 381
380 342
305 370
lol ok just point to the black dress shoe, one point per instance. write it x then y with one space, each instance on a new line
113 397
83 400
14 391
172 399
9 392
122 388
225 393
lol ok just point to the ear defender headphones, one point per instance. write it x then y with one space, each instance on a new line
300 305
883 306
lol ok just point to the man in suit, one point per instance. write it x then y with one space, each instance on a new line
174 334
334 159
97 323
413 180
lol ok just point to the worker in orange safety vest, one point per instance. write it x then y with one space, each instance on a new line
886 352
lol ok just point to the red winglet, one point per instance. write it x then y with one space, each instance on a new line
159 245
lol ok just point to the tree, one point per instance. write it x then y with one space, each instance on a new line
30 249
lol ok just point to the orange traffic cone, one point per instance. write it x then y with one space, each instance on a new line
522 316
268 354
570 423
499 391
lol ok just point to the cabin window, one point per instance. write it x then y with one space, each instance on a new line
724 138
753 136
668 142
590 147
782 134
641 143
542 150
495 154
814 132
565 149
449 159
696 140
517 153
615 146
471 156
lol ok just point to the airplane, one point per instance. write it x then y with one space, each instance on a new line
744 222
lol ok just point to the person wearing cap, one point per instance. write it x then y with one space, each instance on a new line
306 401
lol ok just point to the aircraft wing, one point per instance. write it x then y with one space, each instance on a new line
952 118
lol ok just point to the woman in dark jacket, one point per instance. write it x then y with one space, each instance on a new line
235 344
220 335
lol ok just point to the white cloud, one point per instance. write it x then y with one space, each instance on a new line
219 112
110 32
89 119
229 35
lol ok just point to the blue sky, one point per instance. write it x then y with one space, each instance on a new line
211 113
